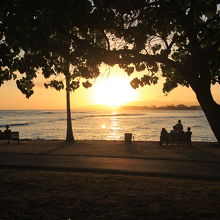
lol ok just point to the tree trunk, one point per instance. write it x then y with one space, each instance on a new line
69 130
210 108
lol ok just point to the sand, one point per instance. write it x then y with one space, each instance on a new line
199 151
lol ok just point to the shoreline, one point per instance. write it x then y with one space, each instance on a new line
99 140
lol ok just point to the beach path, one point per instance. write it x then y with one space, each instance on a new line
131 166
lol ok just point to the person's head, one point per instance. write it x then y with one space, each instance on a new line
179 121
174 127
7 127
188 129
163 129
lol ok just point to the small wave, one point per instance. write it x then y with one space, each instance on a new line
127 114
47 113
80 112
95 116
179 117
113 115
198 116
197 126
60 112
107 115
13 125
140 127
12 112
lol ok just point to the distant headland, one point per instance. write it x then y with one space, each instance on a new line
166 107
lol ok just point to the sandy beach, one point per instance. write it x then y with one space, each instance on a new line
199 151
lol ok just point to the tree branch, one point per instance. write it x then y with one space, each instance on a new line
107 40
129 56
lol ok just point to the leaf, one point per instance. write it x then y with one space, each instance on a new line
25 86
87 84
58 85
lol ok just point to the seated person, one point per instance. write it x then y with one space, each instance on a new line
181 137
188 135
7 132
179 126
174 130
163 136
173 134
7 128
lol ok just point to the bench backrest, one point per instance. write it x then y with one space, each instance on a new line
15 135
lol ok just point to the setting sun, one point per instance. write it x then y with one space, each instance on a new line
113 92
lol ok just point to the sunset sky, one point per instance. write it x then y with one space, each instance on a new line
111 89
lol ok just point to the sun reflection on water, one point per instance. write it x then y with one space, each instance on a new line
115 123
114 131
103 126
111 127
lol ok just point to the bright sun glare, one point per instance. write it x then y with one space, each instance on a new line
113 92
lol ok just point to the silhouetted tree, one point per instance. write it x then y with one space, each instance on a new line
51 37
177 40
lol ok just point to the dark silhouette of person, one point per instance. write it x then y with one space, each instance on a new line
173 134
7 128
163 136
7 132
188 135
179 126
174 130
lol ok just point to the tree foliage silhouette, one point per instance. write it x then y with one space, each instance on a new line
48 37
177 40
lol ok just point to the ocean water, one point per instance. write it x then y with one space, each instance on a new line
145 125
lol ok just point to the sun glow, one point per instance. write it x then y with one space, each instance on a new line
113 92
103 126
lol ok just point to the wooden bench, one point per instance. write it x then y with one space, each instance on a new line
182 137
9 135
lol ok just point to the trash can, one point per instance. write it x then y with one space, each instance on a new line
128 138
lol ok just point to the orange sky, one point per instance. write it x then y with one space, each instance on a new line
12 98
